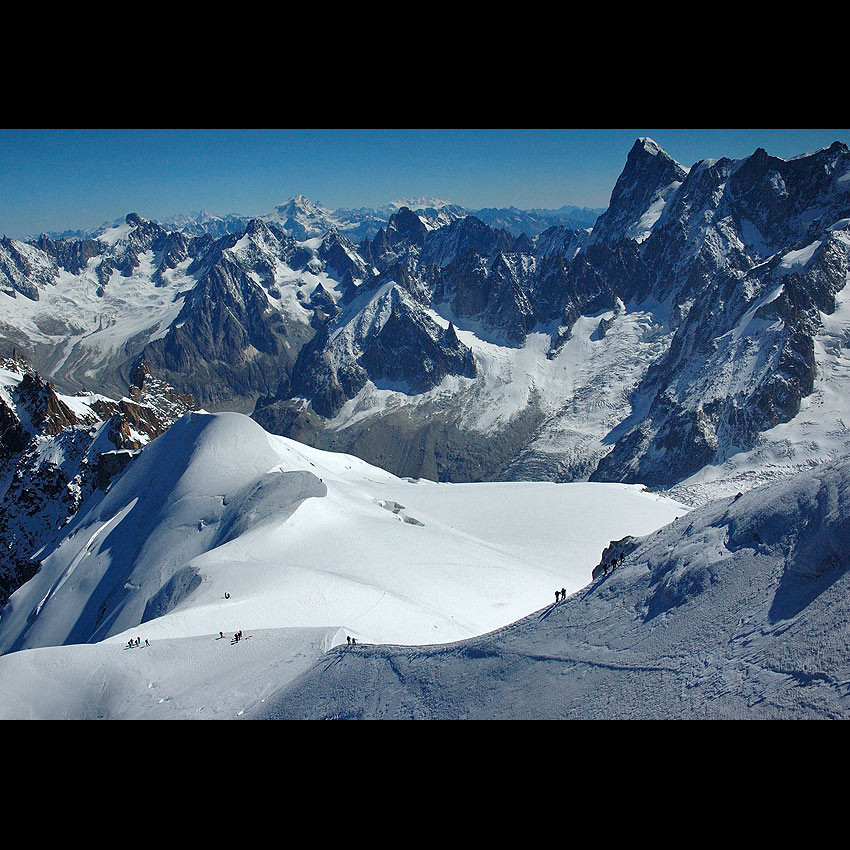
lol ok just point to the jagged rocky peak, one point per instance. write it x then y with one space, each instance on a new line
729 216
558 241
260 229
407 225
261 247
125 243
411 349
465 236
139 233
72 255
341 259
323 304
490 290
400 241
688 246
744 353
649 178
768 202
792 199
647 153
391 340
34 402
152 406
158 404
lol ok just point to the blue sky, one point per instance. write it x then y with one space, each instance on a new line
52 180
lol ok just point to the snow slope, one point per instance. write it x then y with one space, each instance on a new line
310 547
741 609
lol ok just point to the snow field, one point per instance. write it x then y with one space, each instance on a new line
309 546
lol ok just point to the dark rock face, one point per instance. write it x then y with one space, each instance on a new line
340 256
47 412
494 291
399 344
737 316
411 349
226 344
466 236
649 173
400 242
232 342
71 255
595 281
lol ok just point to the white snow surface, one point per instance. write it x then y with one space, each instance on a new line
310 546
739 610
798 261
642 228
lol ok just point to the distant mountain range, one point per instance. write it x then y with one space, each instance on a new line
697 333
302 218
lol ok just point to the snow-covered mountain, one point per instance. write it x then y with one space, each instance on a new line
201 223
734 610
536 221
696 339
223 319
750 256
217 525
703 311
738 610
694 319
305 219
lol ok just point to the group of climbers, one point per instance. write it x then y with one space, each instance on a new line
607 567
610 566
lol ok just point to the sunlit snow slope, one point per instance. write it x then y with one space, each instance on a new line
301 539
